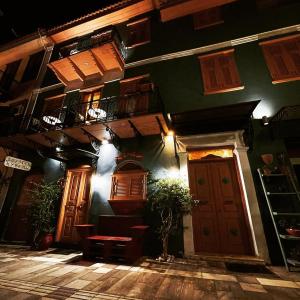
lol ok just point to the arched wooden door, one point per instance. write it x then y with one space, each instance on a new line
219 222
75 204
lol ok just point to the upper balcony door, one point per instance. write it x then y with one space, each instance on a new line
134 96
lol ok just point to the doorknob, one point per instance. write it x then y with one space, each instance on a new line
200 202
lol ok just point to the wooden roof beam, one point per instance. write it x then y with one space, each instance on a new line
97 62
77 69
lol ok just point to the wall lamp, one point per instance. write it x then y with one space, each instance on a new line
265 120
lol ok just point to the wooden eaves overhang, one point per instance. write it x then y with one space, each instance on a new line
173 9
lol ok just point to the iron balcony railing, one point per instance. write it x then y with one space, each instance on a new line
99 111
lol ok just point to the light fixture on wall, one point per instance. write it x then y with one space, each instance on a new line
105 142
265 120
51 120
97 113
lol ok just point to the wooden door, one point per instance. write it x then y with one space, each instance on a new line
219 223
19 227
75 204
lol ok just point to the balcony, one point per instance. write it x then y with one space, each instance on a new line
128 116
173 9
90 61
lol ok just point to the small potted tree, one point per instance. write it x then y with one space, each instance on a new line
42 213
171 199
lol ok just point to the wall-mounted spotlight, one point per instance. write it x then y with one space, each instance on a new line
265 120
170 133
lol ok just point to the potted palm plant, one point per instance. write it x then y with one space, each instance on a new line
42 213
171 199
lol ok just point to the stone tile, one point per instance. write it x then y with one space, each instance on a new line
223 277
78 284
225 295
276 282
123 267
252 287
281 293
246 279
102 270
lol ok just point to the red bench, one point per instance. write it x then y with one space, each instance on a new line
119 237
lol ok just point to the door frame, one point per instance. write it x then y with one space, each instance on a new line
225 139
65 196
237 173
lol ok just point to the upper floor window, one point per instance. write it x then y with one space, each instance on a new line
283 58
207 18
138 33
219 72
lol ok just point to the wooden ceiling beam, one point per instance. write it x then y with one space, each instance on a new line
60 76
97 62
77 69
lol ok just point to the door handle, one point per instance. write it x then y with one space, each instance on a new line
200 202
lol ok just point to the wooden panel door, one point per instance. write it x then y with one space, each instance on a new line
205 225
18 227
75 204
218 221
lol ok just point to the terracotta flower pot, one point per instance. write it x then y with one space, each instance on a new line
267 158
45 241
293 231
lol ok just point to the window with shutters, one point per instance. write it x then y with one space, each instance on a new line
207 18
283 58
134 96
220 73
129 185
138 33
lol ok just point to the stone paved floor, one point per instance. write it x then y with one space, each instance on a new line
32 275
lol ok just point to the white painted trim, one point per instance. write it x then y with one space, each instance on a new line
217 46
234 138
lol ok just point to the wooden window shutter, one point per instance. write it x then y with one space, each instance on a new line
283 58
207 18
128 186
219 72
138 33
134 96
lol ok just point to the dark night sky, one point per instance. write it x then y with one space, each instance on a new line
26 16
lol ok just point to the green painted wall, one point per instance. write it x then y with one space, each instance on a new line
158 158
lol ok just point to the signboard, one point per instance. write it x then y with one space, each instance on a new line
17 163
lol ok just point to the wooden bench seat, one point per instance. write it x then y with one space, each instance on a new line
118 237
109 247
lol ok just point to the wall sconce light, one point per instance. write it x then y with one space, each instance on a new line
170 133
105 142
265 120
51 120
97 113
